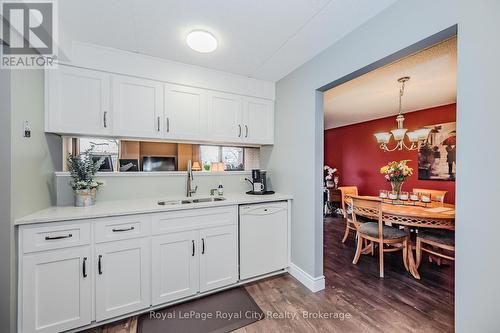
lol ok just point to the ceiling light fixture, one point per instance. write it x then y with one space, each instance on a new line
416 138
201 41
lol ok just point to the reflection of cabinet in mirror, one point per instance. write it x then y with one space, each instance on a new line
139 149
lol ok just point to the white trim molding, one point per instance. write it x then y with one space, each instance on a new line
314 284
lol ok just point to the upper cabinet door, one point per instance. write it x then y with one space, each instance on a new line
77 101
138 107
225 117
258 115
185 113
123 276
56 290
218 257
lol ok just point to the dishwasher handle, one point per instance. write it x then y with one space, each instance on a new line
262 210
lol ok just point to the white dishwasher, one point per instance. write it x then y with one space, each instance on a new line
263 238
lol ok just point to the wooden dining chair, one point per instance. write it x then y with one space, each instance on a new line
433 242
389 239
347 211
436 195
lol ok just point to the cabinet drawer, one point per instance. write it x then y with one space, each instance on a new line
194 219
122 227
56 235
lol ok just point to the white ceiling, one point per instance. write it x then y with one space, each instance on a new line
263 39
375 94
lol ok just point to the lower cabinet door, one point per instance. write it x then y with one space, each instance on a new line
56 290
122 277
218 257
175 266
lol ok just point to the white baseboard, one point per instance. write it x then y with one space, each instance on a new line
314 284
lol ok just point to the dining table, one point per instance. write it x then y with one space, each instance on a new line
413 216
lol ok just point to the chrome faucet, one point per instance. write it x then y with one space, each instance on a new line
189 184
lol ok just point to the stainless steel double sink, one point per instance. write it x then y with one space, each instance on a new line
189 201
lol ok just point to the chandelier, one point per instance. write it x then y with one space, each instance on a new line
416 138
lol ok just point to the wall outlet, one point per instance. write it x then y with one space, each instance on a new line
26 130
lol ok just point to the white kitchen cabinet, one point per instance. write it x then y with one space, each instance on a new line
122 277
196 250
175 269
258 121
77 101
88 102
137 107
81 272
185 113
218 257
56 290
238 119
225 117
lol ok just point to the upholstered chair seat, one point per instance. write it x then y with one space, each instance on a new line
371 229
439 236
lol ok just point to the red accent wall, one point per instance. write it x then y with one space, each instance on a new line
354 151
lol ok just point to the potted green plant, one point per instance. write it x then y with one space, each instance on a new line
83 171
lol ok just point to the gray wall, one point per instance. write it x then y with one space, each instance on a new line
297 153
5 222
33 160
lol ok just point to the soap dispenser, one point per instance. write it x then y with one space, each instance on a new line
220 189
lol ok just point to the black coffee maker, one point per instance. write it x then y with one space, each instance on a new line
259 183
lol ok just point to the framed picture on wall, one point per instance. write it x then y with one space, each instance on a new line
106 160
129 165
437 157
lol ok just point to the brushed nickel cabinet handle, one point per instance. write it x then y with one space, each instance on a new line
168 124
246 131
105 119
58 237
239 131
99 265
84 267
158 123
122 230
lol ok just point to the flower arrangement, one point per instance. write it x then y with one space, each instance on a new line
396 173
83 170
329 172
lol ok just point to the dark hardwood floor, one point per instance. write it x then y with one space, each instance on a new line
397 303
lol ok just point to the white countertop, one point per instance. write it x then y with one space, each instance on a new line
139 206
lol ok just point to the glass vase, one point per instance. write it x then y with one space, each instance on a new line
396 186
